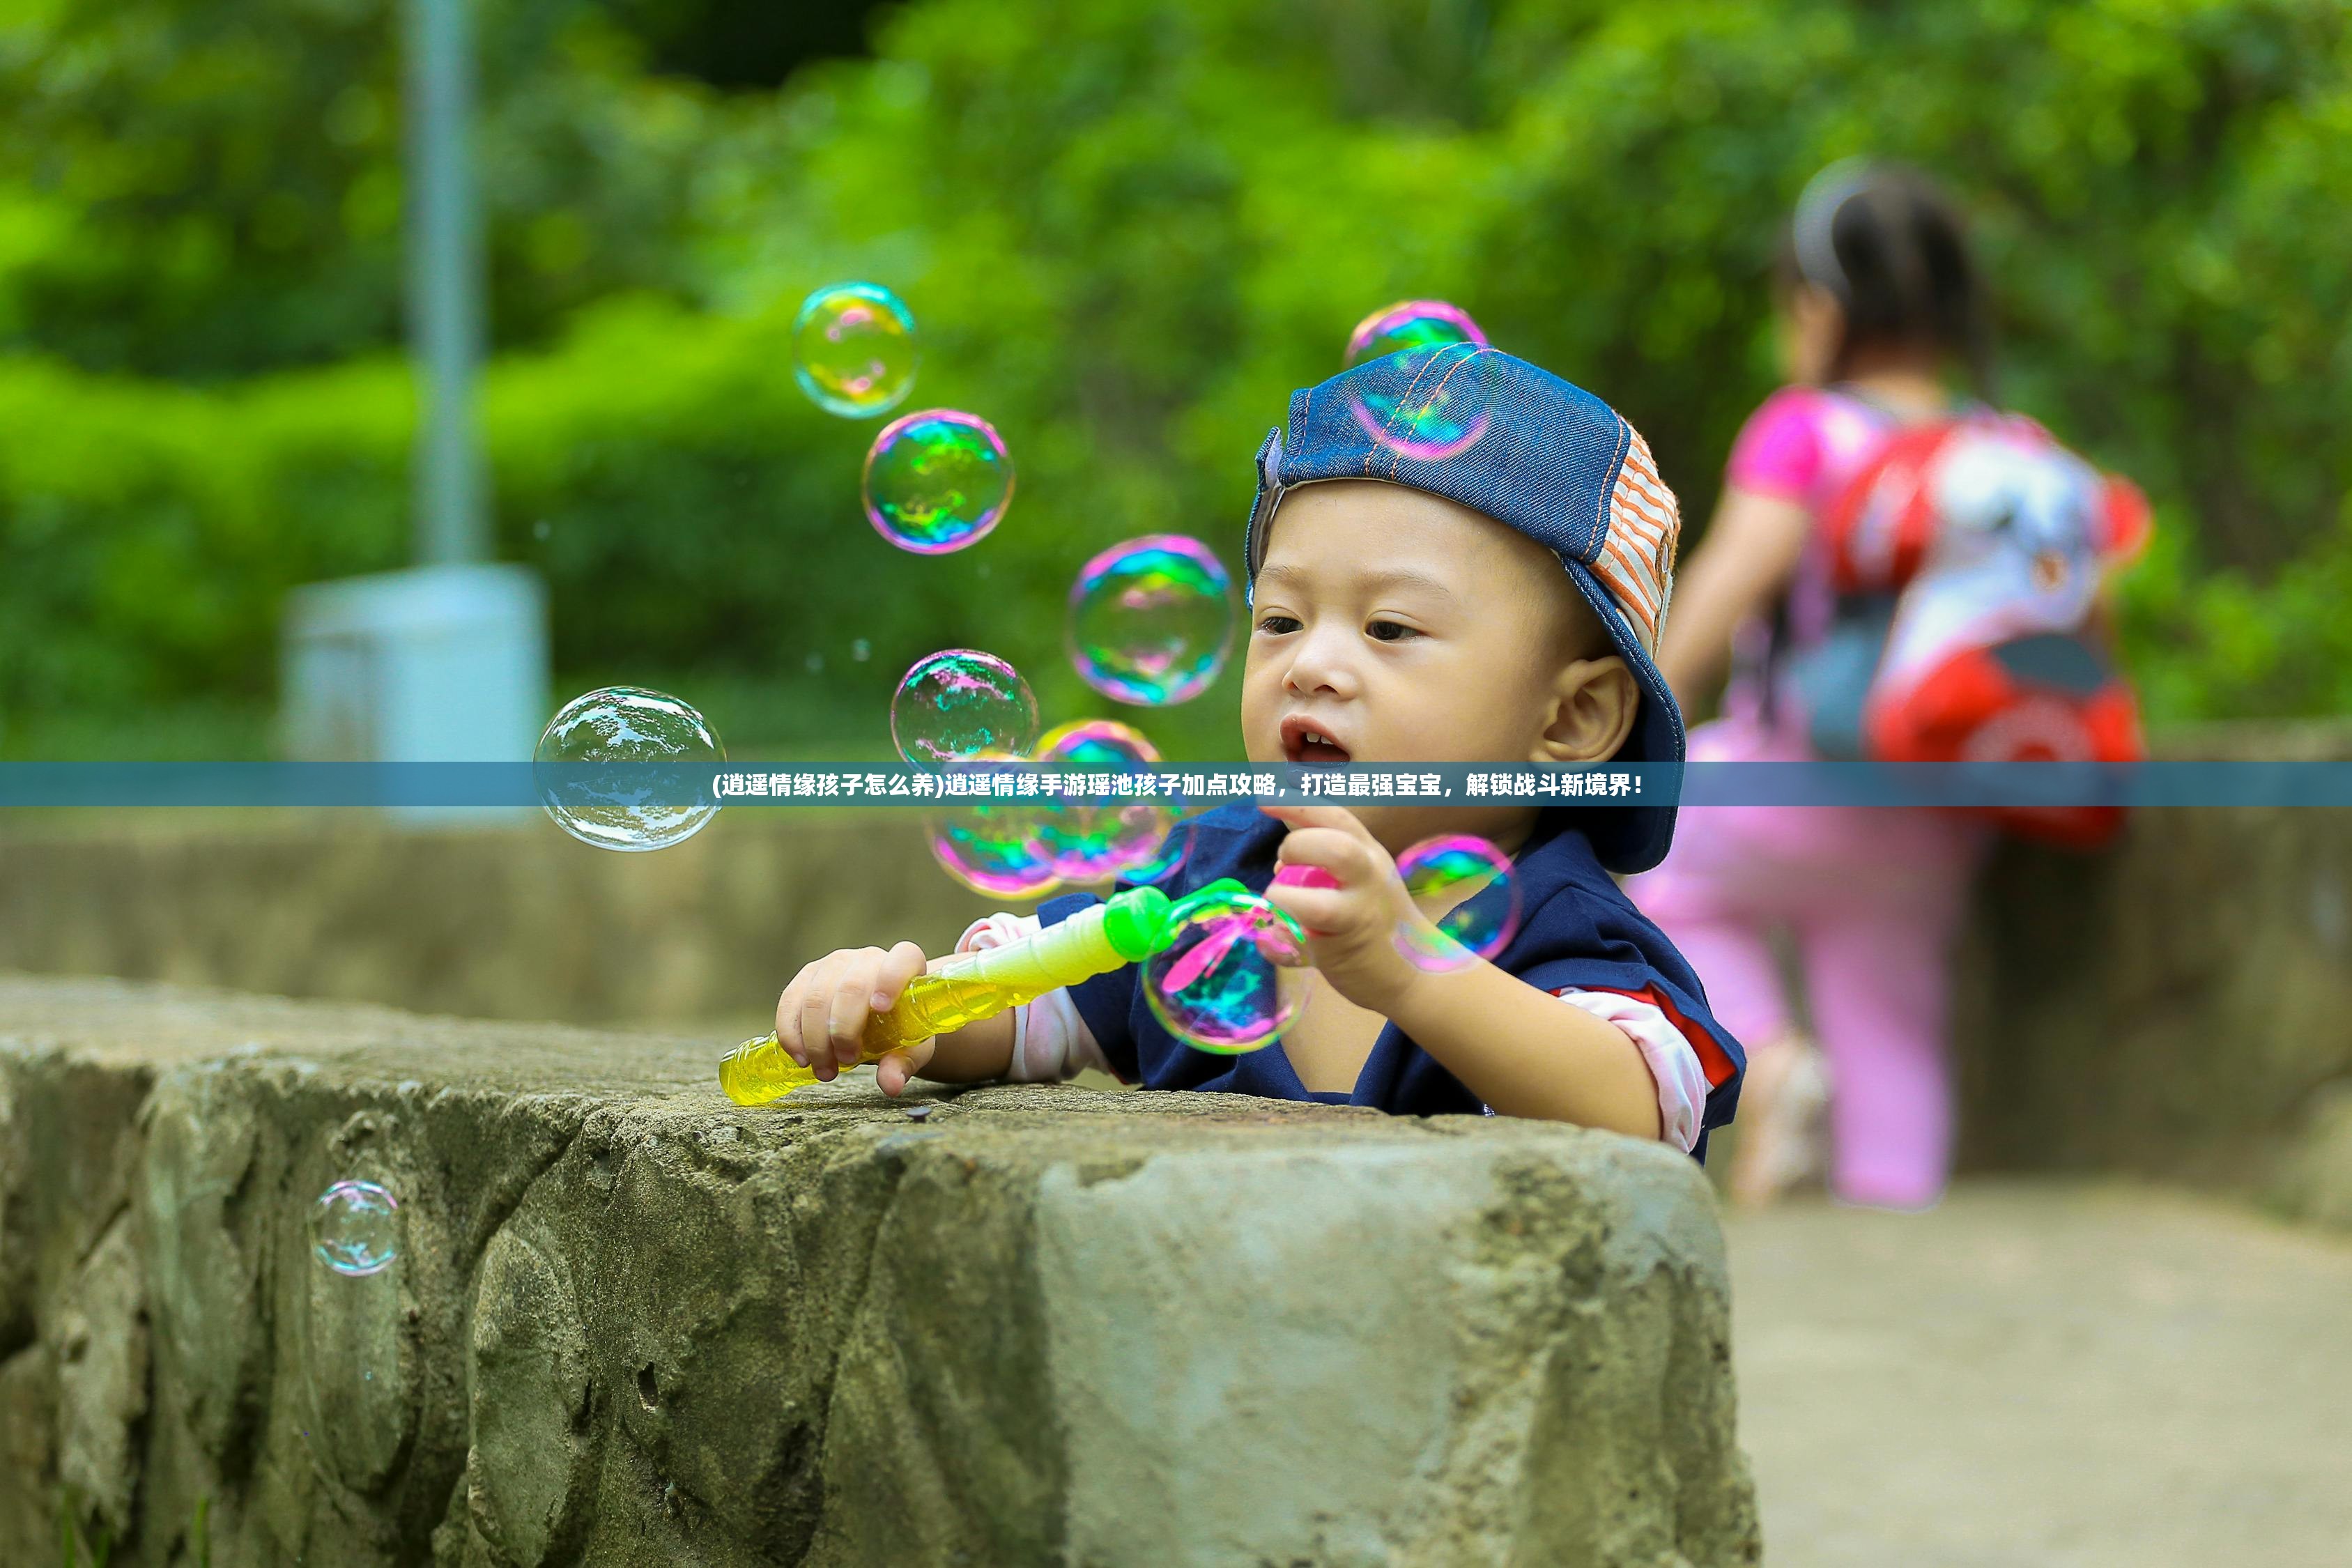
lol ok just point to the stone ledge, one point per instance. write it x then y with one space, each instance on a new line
632 1323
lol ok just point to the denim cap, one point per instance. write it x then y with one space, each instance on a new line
1495 434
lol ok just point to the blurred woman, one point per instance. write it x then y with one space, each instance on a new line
1879 315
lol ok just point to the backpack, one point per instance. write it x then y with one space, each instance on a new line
1967 556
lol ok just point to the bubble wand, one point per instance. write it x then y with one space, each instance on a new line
970 986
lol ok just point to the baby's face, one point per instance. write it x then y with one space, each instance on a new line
1391 625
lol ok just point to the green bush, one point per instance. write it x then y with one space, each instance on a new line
1128 229
151 529
697 520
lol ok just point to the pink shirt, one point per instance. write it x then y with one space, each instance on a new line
1804 444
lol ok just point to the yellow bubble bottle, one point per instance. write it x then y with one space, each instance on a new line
970 986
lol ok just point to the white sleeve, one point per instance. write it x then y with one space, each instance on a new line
1674 1064
1050 1040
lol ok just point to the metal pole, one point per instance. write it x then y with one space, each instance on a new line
445 282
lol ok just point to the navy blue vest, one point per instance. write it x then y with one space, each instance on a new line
1577 930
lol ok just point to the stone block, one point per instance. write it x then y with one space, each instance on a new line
631 1323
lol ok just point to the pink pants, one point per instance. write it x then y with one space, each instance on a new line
1871 898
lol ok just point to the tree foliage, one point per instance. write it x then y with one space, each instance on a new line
1128 229
201 189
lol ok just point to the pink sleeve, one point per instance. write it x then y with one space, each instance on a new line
1780 450
1674 1064
1050 1040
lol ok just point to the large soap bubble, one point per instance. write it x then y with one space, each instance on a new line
962 703
1411 324
1167 858
625 724
1440 408
355 1228
1234 975
995 857
936 480
1463 886
995 846
1152 620
854 350
1095 840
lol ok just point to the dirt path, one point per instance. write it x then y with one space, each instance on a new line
2063 1376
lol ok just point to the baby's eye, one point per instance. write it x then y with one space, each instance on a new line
1275 625
1389 631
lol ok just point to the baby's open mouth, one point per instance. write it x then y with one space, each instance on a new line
1303 742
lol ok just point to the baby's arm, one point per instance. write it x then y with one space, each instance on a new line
1518 1048
821 1022
1525 1052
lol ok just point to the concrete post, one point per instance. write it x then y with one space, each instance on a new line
445 282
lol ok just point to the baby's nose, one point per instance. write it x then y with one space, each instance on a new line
1320 664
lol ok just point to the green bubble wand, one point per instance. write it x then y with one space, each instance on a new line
969 987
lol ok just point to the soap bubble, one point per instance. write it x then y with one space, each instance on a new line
936 480
1100 745
1094 841
998 846
625 724
994 850
1464 885
1442 409
1152 620
959 703
1234 975
355 1228
1166 859
1411 324
854 350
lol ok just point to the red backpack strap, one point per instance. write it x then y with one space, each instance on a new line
2126 522
1878 528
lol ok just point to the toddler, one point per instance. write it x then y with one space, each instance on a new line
1410 603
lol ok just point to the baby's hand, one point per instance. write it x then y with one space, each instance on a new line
821 1017
1352 927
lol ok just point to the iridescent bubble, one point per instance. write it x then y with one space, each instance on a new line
962 703
625 724
936 480
1411 324
1434 404
981 849
1152 620
1234 975
1462 885
355 1228
1166 859
1091 840
854 350
1102 744
996 845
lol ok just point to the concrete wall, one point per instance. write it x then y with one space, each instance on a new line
631 1324
2180 1005
501 922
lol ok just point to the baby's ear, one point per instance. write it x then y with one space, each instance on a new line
1594 703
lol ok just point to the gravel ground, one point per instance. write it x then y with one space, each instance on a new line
2061 1375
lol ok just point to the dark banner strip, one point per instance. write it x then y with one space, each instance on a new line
1191 786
